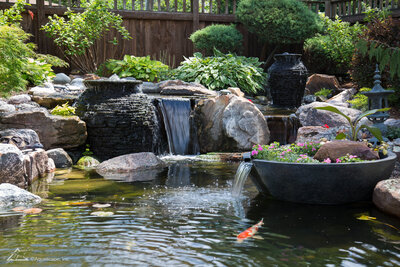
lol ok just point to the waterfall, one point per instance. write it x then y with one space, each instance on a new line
176 115
242 173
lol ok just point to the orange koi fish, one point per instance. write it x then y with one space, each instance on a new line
250 232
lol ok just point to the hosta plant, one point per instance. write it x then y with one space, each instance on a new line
223 70
141 68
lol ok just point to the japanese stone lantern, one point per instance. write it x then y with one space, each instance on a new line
377 99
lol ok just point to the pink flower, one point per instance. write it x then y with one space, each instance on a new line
254 152
300 144
313 149
260 148
338 160
352 156
328 160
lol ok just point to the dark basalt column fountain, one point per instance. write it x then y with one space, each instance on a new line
287 79
119 121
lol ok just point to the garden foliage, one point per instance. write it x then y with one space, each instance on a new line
360 101
63 110
141 68
225 38
278 21
19 64
331 51
324 92
223 70
379 44
77 34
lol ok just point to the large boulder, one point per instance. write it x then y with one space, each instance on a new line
52 100
229 123
131 167
60 157
61 78
36 164
387 196
178 87
5 108
19 99
339 148
315 134
13 196
53 131
22 138
342 98
12 167
309 116
317 82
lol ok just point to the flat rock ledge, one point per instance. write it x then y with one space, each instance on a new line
387 196
12 196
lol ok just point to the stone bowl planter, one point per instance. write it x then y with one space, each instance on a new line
333 183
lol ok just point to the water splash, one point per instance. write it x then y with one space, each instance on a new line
242 173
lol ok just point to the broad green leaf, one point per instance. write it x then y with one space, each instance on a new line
368 113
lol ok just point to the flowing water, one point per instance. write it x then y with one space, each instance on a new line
176 114
241 175
186 216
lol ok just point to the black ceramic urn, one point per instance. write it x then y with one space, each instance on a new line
287 79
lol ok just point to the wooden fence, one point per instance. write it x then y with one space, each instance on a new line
161 28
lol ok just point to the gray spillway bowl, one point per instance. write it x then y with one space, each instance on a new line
110 85
334 183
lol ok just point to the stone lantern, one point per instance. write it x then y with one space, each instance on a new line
377 99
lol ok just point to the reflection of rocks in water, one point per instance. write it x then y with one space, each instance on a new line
178 175
41 186
7 222
135 176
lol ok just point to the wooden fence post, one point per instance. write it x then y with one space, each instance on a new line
195 12
328 7
40 16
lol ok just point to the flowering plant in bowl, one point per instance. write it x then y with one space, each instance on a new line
300 152
296 153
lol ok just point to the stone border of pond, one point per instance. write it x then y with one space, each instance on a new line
334 183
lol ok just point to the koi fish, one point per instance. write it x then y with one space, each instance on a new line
250 232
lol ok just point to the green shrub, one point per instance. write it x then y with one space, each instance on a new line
359 100
221 71
324 92
393 132
278 21
379 44
63 110
76 35
141 68
14 54
225 38
332 51
19 64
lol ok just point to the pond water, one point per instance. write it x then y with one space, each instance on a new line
186 216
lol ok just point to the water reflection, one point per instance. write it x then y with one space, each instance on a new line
186 216
178 175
